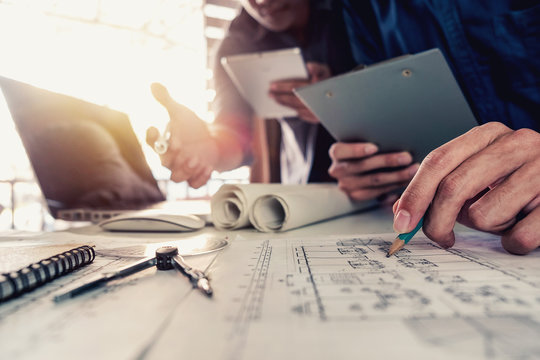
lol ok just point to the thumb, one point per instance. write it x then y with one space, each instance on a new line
175 109
161 94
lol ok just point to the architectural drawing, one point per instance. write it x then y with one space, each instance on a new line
299 298
468 300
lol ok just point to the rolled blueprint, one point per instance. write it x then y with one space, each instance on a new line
275 207
230 206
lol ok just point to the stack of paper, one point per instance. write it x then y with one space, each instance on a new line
276 207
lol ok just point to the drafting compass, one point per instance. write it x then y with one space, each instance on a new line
166 258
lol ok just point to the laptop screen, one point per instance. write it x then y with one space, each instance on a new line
83 155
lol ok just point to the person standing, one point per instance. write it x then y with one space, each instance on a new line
318 29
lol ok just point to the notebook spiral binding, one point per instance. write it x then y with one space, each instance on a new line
28 278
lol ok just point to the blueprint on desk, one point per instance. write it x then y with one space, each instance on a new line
279 297
116 321
323 298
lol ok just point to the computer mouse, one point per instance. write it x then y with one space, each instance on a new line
153 221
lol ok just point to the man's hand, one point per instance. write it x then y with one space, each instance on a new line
282 91
192 153
355 167
488 179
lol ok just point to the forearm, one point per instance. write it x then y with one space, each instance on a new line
229 149
232 132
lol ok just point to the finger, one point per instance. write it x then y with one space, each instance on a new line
287 86
318 71
308 116
192 165
486 167
197 171
169 159
523 237
176 111
179 170
173 156
161 94
152 135
516 192
463 216
446 242
395 206
372 193
371 163
532 205
435 167
175 145
201 178
288 100
378 179
344 151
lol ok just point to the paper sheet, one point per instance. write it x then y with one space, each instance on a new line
276 207
297 298
338 298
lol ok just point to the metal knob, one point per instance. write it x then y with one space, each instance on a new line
164 257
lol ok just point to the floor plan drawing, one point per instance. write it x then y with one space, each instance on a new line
329 295
318 297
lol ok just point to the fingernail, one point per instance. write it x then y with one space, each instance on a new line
401 221
404 159
370 149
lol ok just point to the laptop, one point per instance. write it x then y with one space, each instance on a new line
86 158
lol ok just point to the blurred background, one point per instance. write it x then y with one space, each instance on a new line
107 52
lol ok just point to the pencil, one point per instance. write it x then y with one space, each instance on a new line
403 239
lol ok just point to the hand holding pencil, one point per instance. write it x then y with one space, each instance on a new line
403 239
487 179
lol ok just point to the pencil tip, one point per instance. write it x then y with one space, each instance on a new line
395 247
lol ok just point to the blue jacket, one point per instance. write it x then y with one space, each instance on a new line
493 47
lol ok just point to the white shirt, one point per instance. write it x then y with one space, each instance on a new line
297 148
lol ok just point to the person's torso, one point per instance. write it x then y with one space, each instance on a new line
327 43
493 48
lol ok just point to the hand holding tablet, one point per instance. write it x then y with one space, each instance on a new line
387 118
253 74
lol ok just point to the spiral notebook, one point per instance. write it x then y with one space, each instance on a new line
19 279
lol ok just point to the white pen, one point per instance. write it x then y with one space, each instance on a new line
162 143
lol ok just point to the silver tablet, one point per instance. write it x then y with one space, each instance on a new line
253 73
411 103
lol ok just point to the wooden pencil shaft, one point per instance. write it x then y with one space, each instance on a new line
395 247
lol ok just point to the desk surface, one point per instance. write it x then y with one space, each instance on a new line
318 292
